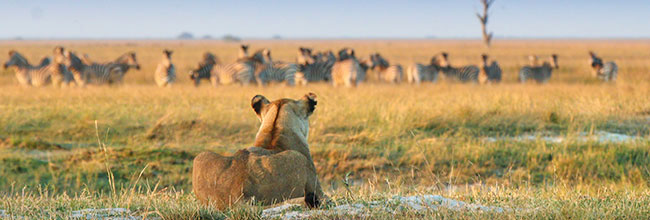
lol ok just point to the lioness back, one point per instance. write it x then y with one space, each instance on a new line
269 178
216 176
276 177
278 168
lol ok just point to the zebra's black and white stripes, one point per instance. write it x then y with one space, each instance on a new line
87 72
314 68
41 75
382 71
347 70
417 73
605 71
539 74
467 73
204 70
267 71
237 72
489 73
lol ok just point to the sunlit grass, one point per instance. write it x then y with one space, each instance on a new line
384 140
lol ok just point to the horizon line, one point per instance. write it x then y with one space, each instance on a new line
319 38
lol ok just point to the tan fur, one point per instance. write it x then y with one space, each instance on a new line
533 61
165 72
346 72
482 74
279 166
483 70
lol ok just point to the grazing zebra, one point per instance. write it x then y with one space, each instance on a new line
606 72
124 63
165 73
108 73
237 72
314 68
417 73
86 72
37 76
383 71
204 70
467 73
540 74
348 71
489 73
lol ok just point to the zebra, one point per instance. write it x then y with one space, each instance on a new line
326 56
243 51
81 70
606 72
489 73
204 70
417 72
107 73
36 76
165 73
383 71
314 68
124 63
265 70
86 72
237 72
540 74
346 53
63 77
347 70
467 73
305 56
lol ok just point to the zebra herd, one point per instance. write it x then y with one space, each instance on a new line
65 67
340 69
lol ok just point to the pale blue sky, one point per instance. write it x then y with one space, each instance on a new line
323 19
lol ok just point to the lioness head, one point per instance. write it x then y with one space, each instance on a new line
283 120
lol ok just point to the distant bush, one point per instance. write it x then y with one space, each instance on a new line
185 36
230 38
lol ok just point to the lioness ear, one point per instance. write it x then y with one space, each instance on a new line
310 100
258 102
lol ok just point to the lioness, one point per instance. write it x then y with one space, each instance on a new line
277 168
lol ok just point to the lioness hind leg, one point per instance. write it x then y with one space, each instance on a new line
313 192
312 200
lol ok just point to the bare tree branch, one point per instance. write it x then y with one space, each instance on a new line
483 18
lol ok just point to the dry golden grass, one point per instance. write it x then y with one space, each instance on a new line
387 139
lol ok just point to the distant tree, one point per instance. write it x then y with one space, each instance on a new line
230 38
185 36
206 37
483 18
276 37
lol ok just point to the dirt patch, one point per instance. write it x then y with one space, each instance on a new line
599 136
418 203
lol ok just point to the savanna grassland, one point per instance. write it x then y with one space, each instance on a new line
131 146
